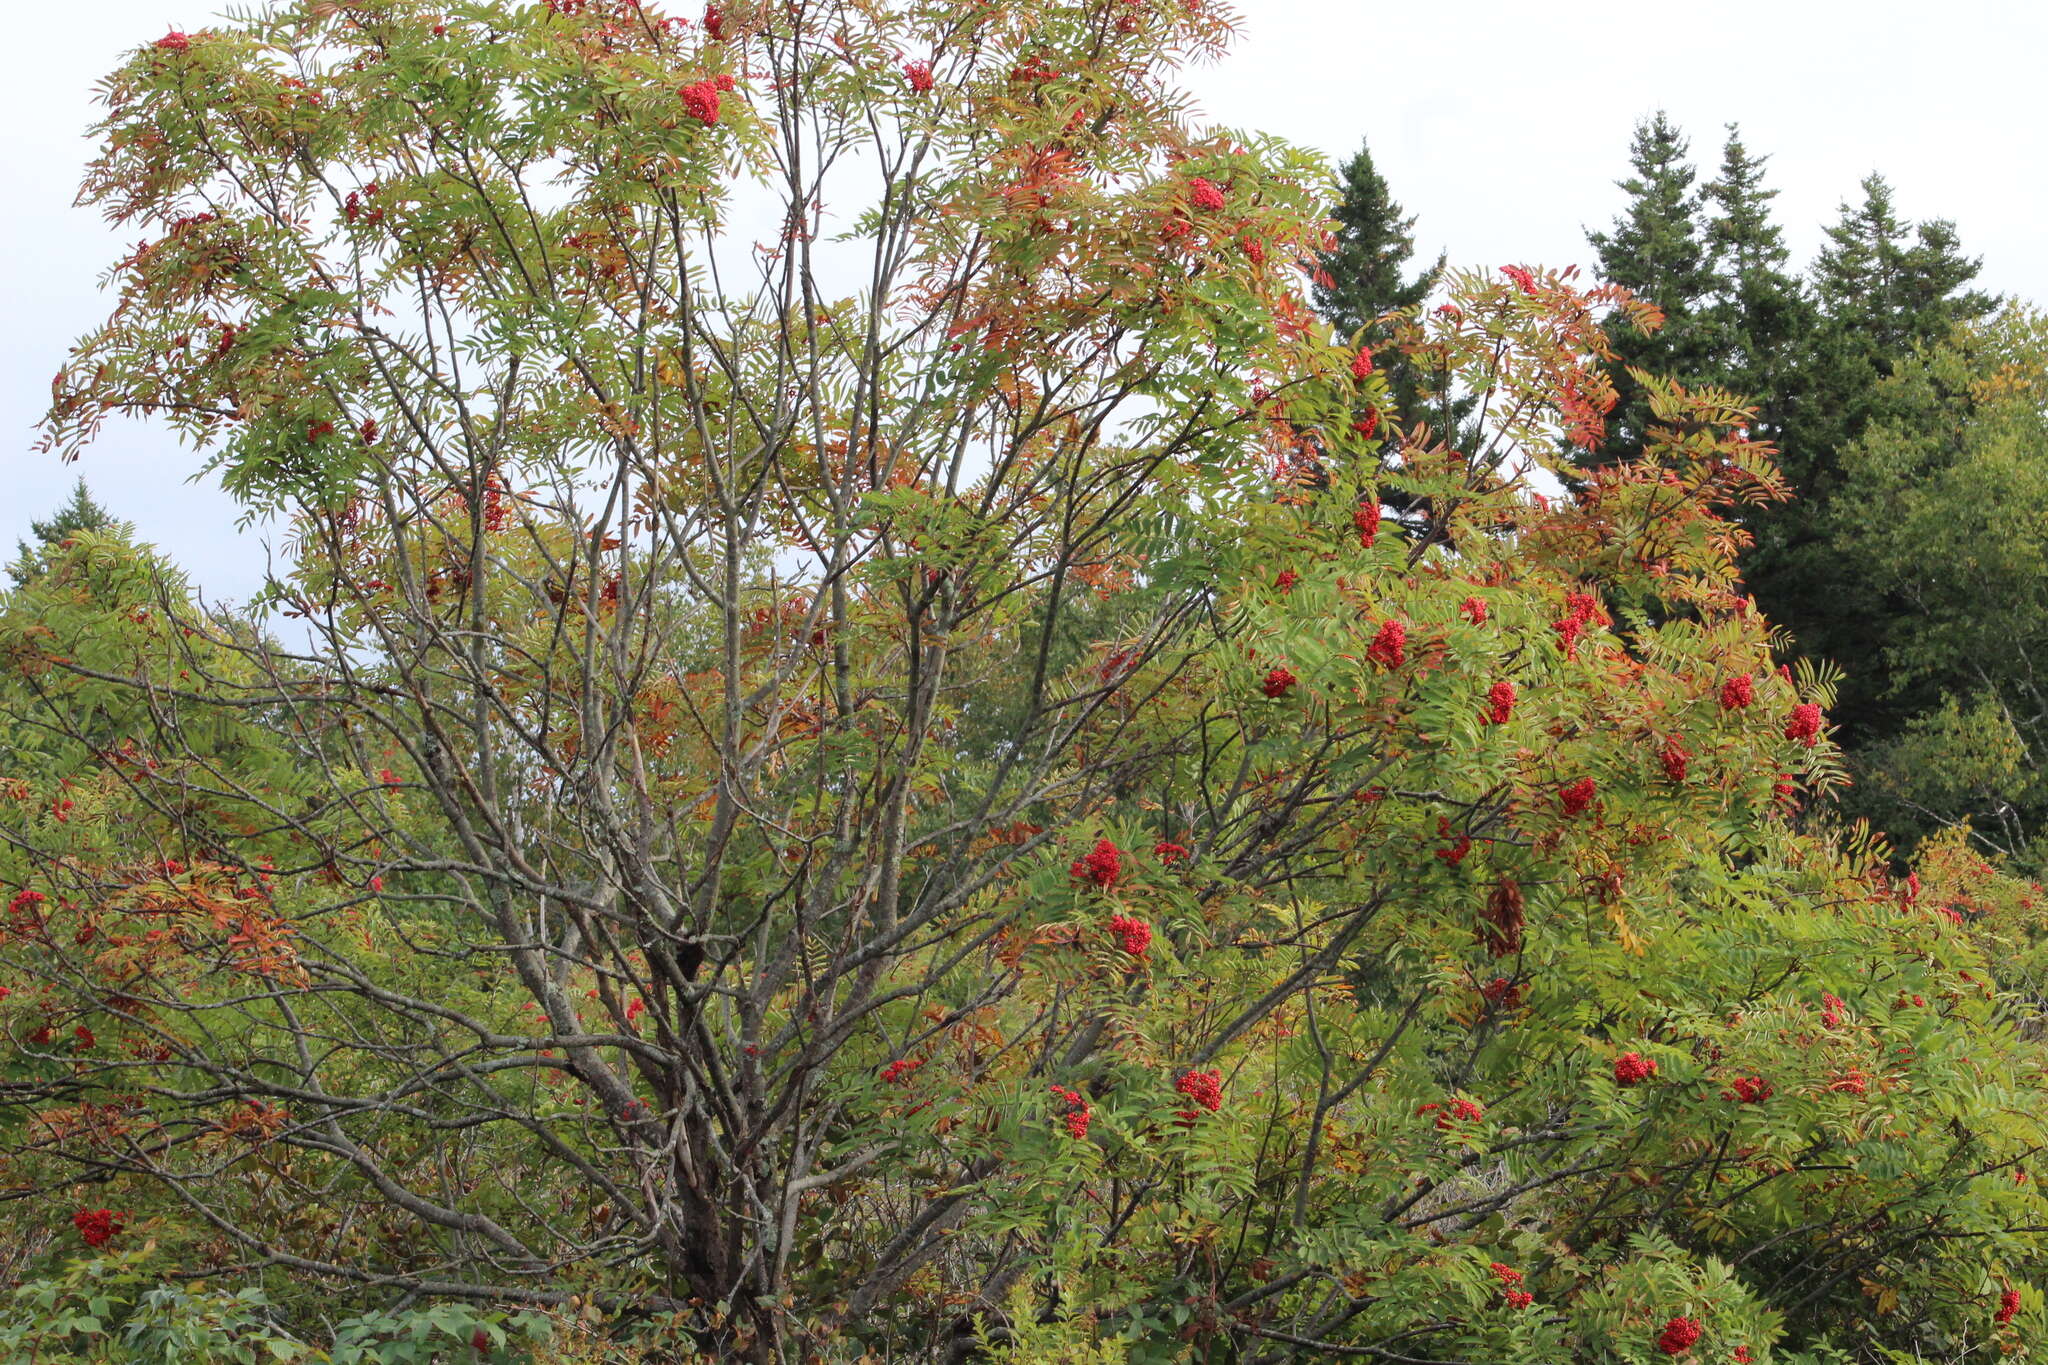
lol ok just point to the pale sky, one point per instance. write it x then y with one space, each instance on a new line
1501 125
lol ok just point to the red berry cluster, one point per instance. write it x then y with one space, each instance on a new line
919 74
1748 1090
1576 796
1133 934
1473 609
1510 1281
1455 854
1286 581
1522 278
1169 853
1738 692
1804 724
1678 1336
899 1071
1204 194
97 1226
1277 682
1454 1111
1102 866
1580 609
1389 647
2008 1306
1585 606
1203 1087
1633 1068
1366 519
1676 758
1076 1113
700 100
1361 364
1500 703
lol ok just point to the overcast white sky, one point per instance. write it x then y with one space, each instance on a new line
1500 124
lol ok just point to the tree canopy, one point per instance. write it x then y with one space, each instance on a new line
876 745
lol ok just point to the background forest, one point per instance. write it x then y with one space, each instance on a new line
916 710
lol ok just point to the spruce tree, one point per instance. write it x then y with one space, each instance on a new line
1760 316
1886 290
82 512
1658 249
1365 276
1366 272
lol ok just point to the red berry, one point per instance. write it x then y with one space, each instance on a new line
1389 647
1678 1336
1102 866
700 101
1804 724
1500 702
1134 935
1632 1068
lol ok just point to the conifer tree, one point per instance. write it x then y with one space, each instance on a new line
1886 290
82 512
1367 268
1365 276
1760 316
1658 250
1896 287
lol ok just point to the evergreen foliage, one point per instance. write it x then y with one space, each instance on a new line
1885 291
1363 277
82 512
1815 356
1659 250
1367 266
1758 314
